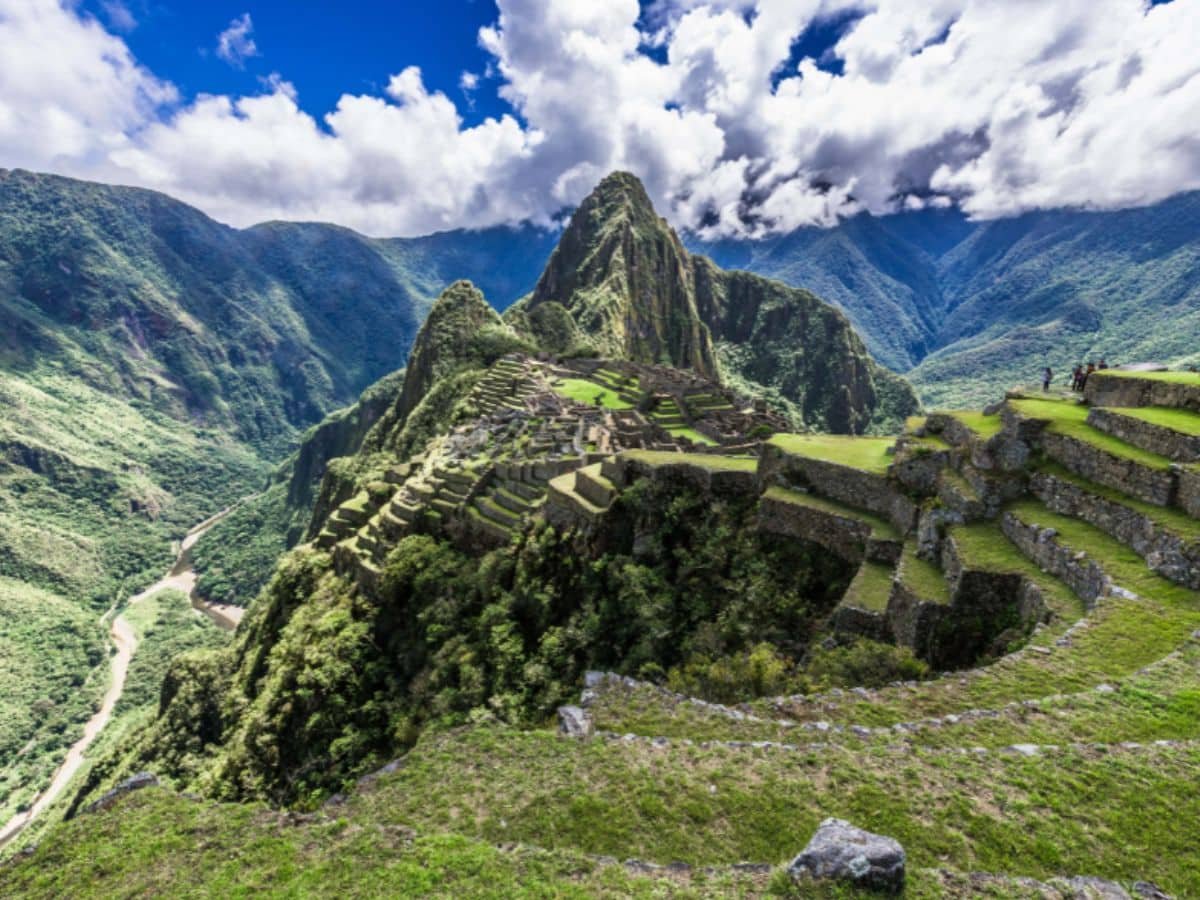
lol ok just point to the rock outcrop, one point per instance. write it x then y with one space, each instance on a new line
841 852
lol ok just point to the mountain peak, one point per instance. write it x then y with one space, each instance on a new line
624 277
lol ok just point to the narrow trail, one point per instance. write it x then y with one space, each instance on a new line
181 577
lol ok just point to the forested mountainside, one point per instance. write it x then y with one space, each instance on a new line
966 309
579 583
155 366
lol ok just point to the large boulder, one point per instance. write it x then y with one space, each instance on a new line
841 852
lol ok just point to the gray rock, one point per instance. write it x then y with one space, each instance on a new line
842 852
1150 891
1083 887
574 722
128 786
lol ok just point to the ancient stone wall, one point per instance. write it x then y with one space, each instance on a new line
1154 438
1124 390
1171 555
1072 567
1157 486
863 490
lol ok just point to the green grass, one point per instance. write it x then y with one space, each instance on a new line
710 461
692 435
865 453
1114 815
871 588
984 426
1070 420
159 844
590 393
983 546
1181 420
166 626
1161 702
1170 377
880 528
921 577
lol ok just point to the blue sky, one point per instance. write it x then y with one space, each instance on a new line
325 49
742 117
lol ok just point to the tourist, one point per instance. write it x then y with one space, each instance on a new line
1077 378
1047 377
1103 363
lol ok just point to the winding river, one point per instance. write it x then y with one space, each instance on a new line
181 577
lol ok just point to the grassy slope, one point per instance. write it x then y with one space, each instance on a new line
868 454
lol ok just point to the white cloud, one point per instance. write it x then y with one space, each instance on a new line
236 44
1001 107
119 16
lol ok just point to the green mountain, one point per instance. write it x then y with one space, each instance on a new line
155 366
968 309
621 283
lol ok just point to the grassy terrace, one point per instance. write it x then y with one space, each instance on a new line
1124 566
881 529
867 454
1172 377
870 588
710 461
1172 520
922 578
1070 420
590 393
1181 420
692 435
1161 702
983 426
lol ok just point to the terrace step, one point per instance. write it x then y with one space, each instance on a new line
442 507
851 533
862 611
594 487
622 705
1093 564
1068 440
1173 433
490 509
510 501
1168 540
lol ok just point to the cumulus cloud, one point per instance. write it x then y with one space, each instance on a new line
998 107
236 44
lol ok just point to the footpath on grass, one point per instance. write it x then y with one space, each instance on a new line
181 577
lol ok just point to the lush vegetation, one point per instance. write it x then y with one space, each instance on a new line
52 668
969 309
336 682
236 558
166 626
